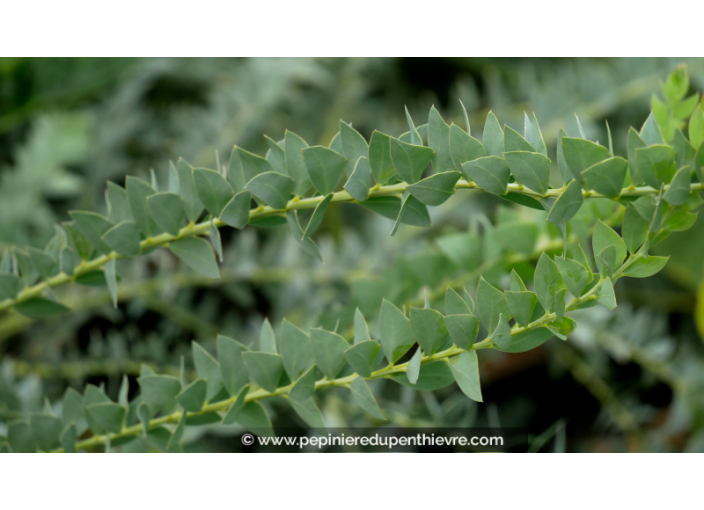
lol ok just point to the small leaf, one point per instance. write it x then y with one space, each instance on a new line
696 126
432 376
562 327
111 280
380 157
236 408
123 238
207 368
528 340
236 212
361 330
634 229
655 163
502 334
360 181
413 370
317 217
92 226
305 386
436 189
354 146
197 254
308 412
362 357
9 286
264 368
20 437
533 135
580 154
213 190
364 398
605 294
491 304
463 329
187 190
574 275
396 332
137 193
272 188
305 242
245 166
547 282
606 236
295 350
215 240
119 207
253 417
276 156
650 132
561 163
530 169
325 168
516 283
642 267
678 191
39 308
413 212
46 429
454 304
329 351
493 136
521 304
167 209
513 141
439 141
159 391
607 177
295 164
68 438
192 397
465 369
388 207
177 434
490 173
232 368
634 142
409 160
415 137
108 415
429 329
464 148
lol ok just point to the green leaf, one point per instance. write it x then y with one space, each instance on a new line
528 340
454 304
46 429
642 267
513 141
696 126
493 137
436 189
329 351
207 368
413 212
197 254
465 369
678 192
80 242
634 142
521 304
361 330
325 168
491 303
464 148
580 154
167 209
415 136
655 163
68 438
118 205
308 412
236 408
547 282
213 190
295 350
530 169
388 207
215 239
232 368
533 135
305 242
111 280
562 327
567 204
685 150
9 286
20 437
396 332
317 217
607 177
305 386
606 261
39 308
362 357
574 275
605 294
92 226
253 417
137 193
490 173
360 181
516 282
264 368
123 238
439 141
108 415
192 397
245 166
354 146
606 236
380 157
634 229
272 188
463 329
295 164
561 163
502 334
429 329
432 376
276 156
159 391
45 263
236 212
409 160
187 190
650 132
413 370
177 434
364 398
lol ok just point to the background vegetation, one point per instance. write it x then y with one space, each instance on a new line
626 380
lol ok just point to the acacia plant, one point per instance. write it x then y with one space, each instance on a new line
654 190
